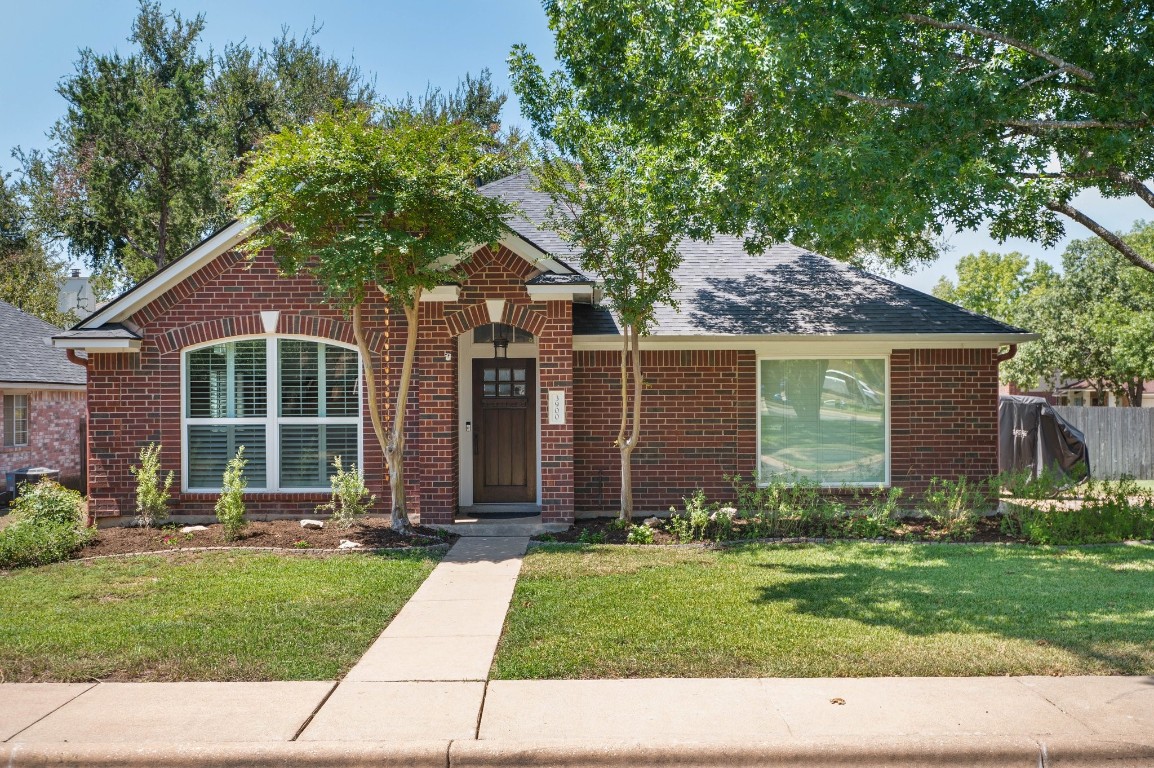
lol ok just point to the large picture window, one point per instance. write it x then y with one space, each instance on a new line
293 404
823 420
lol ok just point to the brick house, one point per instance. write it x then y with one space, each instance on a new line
43 397
784 363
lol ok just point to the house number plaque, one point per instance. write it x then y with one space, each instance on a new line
556 406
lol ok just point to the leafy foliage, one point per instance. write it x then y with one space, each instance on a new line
230 505
996 284
29 277
48 526
348 502
1107 511
871 126
151 494
137 169
474 100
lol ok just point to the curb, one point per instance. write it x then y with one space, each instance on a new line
863 752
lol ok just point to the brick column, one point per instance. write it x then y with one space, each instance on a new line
555 363
437 416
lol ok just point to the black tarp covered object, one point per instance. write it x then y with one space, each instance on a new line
1031 435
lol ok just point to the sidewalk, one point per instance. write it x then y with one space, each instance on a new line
420 697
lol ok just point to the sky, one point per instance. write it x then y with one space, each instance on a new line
407 46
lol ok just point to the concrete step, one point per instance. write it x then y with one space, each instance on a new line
528 527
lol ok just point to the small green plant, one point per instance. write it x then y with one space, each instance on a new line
590 536
151 495
349 496
546 537
640 534
175 539
691 523
230 505
876 515
619 524
1025 484
954 505
302 544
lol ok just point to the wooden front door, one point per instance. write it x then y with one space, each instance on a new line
504 431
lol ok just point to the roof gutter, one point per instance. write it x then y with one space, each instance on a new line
1002 357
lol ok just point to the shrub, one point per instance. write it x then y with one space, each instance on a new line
49 502
48 526
1108 511
1024 484
24 543
640 534
151 496
230 505
349 492
879 514
691 523
589 536
954 505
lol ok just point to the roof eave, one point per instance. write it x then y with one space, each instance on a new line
753 341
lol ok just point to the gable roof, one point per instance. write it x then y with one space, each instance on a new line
28 358
724 291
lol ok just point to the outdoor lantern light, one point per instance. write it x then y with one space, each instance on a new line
500 346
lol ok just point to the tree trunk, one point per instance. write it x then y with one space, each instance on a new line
395 450
628 445
1134 395
374 403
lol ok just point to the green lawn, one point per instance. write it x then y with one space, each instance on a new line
848 609
207 616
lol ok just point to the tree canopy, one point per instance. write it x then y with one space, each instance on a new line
873 126
365 204
137 169
29 277
1095 319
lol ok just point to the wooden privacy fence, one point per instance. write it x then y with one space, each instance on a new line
1121 440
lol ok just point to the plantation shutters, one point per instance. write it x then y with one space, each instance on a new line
293 404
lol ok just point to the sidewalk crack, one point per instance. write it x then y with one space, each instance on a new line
48 714
308 720
481 711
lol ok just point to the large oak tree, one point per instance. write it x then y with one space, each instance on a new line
873 126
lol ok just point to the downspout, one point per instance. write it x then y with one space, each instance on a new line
83 362
1001 357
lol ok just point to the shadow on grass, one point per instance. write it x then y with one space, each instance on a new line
1094 603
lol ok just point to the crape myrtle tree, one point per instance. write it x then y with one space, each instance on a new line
621 204
872 126
369 203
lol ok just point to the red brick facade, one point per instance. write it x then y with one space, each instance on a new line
944 416
700 423
700 419
55 421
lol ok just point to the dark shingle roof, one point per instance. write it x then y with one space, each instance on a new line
722 290
106 331
534 210
27 357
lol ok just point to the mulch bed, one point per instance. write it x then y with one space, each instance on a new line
284 534
913 529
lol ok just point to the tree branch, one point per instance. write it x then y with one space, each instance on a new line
957 26
878 102
1134 183
1044 125
1115 242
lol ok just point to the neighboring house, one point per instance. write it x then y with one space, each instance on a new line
785 363
1081 393
43 394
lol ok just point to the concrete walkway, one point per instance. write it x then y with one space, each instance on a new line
420 696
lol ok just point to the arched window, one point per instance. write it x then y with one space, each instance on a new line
293 404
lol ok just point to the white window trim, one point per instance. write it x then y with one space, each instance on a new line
827 356
27 421
273 422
